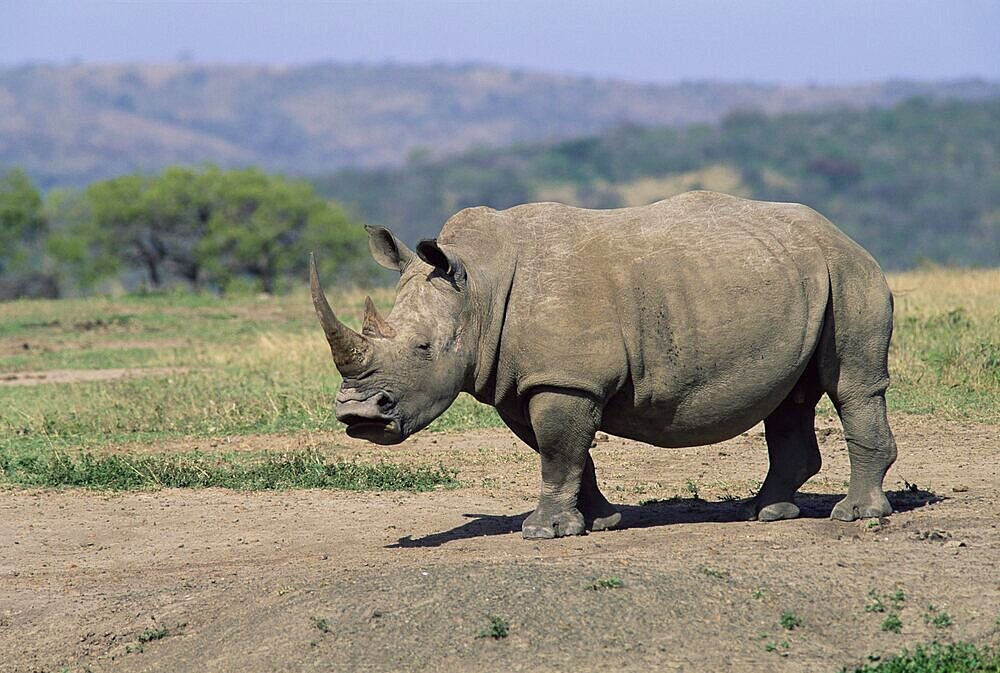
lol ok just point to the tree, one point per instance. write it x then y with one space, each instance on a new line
84 252
21 222
179 204
22 232
263 226
118 211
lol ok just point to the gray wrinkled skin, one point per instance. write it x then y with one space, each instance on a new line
680 323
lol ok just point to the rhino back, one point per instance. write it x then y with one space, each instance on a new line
693 315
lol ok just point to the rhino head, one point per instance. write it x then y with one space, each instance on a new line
402 372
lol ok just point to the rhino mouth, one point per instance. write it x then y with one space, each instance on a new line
379 431
369 416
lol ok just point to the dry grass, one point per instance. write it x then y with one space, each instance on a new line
945 356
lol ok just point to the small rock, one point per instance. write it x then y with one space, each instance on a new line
955 543
961 488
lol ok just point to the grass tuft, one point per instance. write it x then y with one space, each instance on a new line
892 623
789 620
939 619
606 583
717 573
152 634
497 629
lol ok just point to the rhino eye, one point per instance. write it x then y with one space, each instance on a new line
424 346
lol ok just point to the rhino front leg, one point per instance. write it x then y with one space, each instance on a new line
598 513
563 423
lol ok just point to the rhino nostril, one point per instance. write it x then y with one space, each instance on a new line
373 408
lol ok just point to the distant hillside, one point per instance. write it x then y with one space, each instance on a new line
917 182
69 125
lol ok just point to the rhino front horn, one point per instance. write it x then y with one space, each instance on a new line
351 351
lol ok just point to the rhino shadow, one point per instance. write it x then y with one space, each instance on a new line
663 513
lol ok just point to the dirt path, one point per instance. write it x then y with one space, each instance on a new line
82 375
323 580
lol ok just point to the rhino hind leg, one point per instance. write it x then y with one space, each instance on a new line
598 513
872 450
793 455
853 371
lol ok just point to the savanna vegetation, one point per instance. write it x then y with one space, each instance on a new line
205 366
258 364
913 183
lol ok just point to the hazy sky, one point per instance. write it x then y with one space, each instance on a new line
777 40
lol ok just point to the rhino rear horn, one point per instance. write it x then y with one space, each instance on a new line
374 324
351 351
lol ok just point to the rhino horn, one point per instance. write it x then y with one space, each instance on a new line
351 351
374 324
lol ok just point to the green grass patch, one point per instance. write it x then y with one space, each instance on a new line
153 633
892 623
937 658
238 471
497 628
606 583
939 619
789 620
717 573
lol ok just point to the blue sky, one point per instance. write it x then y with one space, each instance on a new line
784 41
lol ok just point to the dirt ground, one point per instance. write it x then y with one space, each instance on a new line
326 580
81 375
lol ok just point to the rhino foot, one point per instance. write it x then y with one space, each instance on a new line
543 526
605 522
776 511
871 506
598 513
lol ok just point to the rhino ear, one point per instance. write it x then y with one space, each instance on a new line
445 262
388 250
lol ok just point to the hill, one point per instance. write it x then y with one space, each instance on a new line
72 124
918 182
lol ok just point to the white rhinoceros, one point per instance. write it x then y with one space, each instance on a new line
680 323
